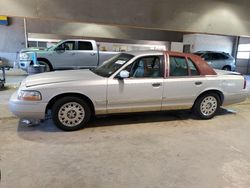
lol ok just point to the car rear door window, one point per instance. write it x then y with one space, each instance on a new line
85 45
178 66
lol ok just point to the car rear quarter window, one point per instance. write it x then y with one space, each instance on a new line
85 45
192 68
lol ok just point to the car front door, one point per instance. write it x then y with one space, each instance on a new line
62 57
86 56
142 91
183 84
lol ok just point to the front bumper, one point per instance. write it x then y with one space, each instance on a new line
24 64
27 109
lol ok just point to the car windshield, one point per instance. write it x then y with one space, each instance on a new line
112 65
52 46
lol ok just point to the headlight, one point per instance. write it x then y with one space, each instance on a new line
29 95
24 56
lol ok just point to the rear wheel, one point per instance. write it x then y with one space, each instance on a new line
71 113
226 68
207 105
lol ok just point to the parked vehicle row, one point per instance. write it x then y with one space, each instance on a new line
128 82
77 54
218 60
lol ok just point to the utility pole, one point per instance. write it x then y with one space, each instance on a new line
25 32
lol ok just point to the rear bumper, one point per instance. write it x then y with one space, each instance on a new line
27 110
236 97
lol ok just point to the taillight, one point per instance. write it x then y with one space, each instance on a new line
245 83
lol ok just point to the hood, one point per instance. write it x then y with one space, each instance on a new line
33 49
61 76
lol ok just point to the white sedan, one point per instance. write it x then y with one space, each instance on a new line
129 82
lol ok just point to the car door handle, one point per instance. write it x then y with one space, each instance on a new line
198 83
156 84
73 53
92 54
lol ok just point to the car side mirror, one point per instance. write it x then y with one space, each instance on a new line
123 74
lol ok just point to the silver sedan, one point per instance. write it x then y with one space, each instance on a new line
129 82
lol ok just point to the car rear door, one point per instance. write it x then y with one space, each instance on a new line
142 91
183 84
86 55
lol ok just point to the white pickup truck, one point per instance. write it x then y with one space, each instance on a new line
67 54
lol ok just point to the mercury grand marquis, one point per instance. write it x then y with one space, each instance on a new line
128 82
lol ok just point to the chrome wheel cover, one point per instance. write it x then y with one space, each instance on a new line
71 114
208 105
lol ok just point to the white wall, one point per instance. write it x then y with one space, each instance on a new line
176 46
201 42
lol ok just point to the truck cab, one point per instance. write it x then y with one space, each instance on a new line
67 54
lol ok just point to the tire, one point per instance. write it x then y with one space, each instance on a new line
226 68
71 113
47 66
207 105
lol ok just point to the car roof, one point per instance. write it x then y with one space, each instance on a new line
84 40
145 52
157 52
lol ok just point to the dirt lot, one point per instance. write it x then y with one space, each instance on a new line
167 149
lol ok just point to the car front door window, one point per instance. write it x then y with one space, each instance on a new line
146 67
208 57
67 46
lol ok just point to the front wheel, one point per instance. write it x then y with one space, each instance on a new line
71 113
207 105
47 67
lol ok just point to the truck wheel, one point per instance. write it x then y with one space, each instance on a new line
47 67
71 113
207 105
